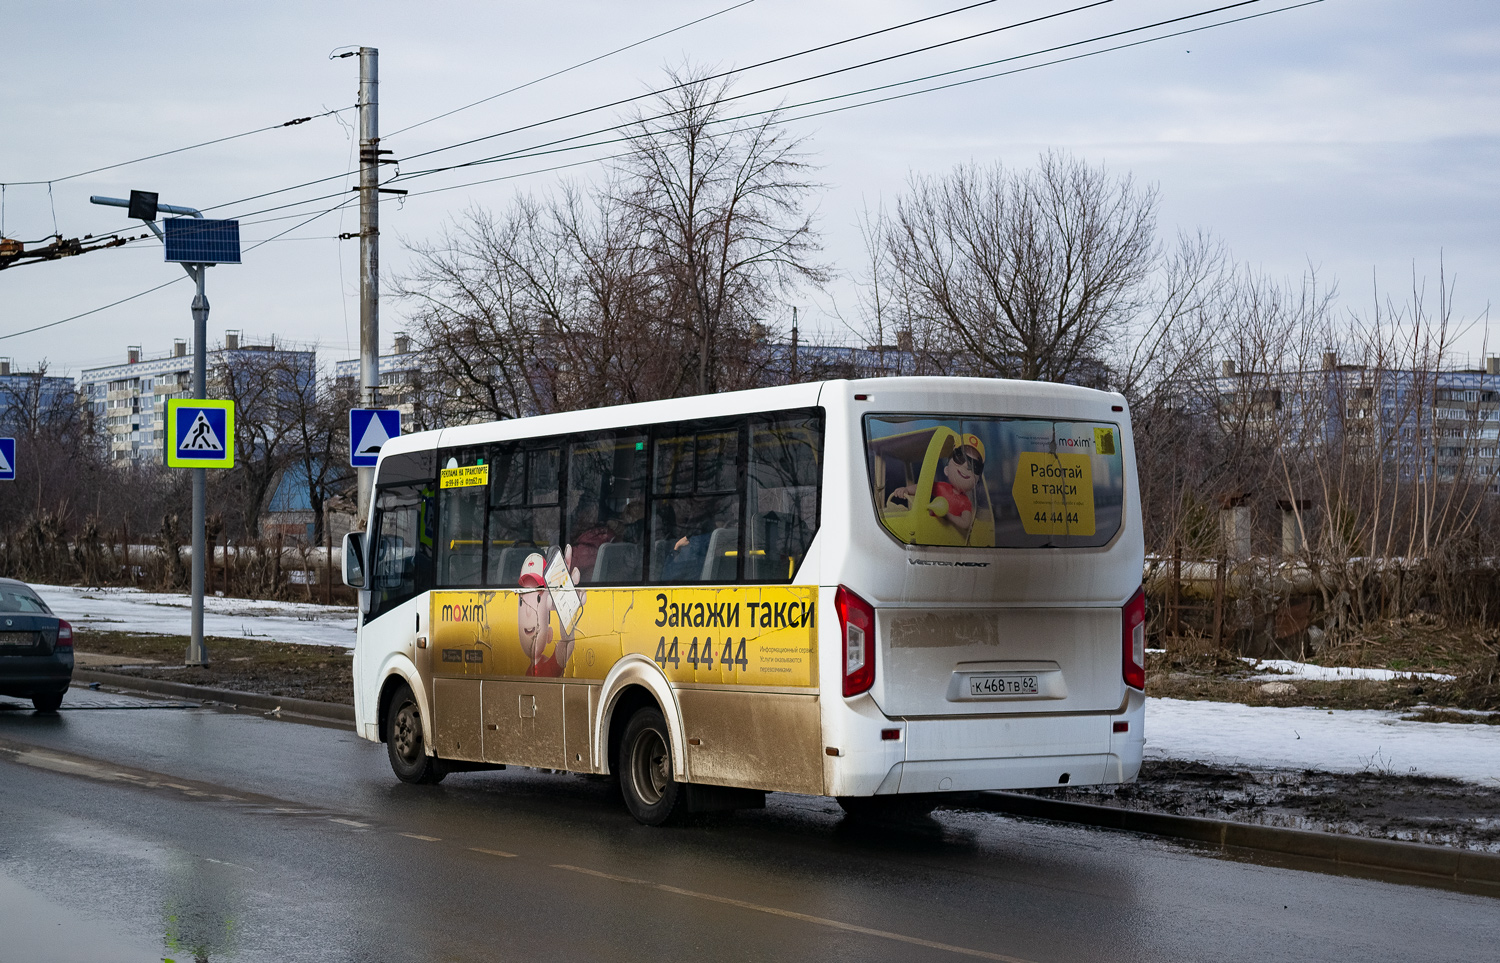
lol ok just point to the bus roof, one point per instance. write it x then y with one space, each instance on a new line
730 403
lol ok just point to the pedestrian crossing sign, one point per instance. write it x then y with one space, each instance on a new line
369 429
7 459
200 434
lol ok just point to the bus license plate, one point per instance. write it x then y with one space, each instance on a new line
1002 684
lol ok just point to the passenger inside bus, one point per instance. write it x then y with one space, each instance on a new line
706 546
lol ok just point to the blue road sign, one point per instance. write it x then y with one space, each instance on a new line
202 240
369 428
200 434
7 459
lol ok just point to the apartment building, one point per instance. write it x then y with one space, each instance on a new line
1442 424
28 398
129 401
400 378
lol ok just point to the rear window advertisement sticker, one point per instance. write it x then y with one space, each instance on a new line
996 482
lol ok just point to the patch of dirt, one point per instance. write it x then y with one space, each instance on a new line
1376 804
321 673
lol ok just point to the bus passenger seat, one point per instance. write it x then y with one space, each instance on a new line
617 562
718 565
512 557
463 568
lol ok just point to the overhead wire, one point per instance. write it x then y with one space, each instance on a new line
642 96
536 150
141 294
1050 63
548 148
552 147
178 150
766 63
542 149
559 73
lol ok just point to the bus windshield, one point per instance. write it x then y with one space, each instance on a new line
986 482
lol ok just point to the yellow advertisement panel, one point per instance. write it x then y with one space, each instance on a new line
1055 493
465 477
749 635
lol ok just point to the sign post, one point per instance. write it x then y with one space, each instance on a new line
7 459
197 243
369 429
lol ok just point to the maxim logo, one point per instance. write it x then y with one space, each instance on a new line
462 613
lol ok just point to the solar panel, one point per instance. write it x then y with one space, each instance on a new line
201 240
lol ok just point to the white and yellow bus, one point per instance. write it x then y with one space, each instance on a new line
879 590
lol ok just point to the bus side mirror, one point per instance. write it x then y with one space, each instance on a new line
354 559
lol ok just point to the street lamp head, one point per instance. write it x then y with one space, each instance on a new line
143 205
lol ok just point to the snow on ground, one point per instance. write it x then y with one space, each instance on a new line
170 613
1227 733
1282 669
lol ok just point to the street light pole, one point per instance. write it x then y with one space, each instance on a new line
196 655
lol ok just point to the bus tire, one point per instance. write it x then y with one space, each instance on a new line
645 767
404 743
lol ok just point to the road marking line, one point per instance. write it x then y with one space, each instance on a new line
788 914
349 822
492 852
425 839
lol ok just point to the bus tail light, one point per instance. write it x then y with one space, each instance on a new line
1133 640
64 635
857 622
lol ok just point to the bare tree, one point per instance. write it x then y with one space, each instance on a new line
721 209
1035 274
264 386
655 284
316 424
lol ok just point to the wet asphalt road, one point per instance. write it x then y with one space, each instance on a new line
143 833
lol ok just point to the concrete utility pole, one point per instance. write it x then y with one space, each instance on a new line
369 249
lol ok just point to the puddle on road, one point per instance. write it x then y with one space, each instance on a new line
37 928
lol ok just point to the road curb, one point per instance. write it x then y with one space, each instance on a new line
322 711
1442 862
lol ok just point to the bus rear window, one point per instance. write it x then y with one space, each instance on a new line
996 482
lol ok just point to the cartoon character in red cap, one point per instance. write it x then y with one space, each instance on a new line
951 499
535 616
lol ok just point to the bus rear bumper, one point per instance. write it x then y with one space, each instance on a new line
974 754
1026 772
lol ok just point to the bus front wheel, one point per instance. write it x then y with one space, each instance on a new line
404 743
645 768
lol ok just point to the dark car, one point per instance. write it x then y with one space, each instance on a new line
36 648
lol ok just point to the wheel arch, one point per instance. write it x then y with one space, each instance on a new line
632 683
397 671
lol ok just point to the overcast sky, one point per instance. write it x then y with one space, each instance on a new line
1359 137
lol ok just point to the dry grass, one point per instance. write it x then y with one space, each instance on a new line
322 673
1193 668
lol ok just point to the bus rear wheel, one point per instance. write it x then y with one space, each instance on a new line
404 743
645 769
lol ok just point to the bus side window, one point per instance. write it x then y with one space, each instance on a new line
607 506
781 505
460 543
695 505
524 513
403 548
